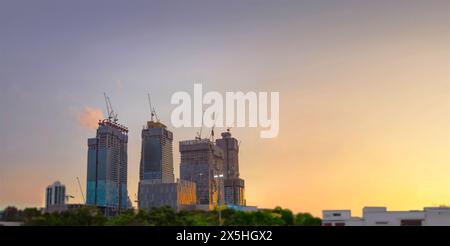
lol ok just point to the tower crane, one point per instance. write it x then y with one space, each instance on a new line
152 109
81 190
109 108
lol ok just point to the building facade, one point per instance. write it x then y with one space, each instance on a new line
201 160
180 195
107 166
380 216
55 195
233 184
156 153
156 184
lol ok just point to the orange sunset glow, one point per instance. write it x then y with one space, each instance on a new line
364 95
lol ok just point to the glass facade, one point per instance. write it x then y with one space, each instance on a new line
107 166
156 153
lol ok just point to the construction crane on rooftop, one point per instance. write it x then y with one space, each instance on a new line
152 110
68 197
212 128
199 133
109 109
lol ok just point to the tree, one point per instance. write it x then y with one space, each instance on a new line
286 215
306 219
85 216
130 218
164 216
11 214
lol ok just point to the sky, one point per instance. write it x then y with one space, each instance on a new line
364 93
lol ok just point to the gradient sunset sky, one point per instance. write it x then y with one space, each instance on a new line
364 93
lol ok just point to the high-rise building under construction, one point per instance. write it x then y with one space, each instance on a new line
202 163
107 164
156 184
233 184
156 153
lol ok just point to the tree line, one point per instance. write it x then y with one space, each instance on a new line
163 216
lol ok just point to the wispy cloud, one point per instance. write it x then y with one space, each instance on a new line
88 117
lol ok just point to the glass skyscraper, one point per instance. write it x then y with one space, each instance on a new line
156 153
107 166
156 184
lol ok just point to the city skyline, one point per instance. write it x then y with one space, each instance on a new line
364 93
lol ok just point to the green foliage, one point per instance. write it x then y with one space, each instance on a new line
11 214
258 218
86 216
164 216
197 218
306 219
286 215
129 218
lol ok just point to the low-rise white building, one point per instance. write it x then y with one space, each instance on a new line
379 216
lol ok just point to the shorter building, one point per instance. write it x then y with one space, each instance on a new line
180 195
228 206
202 163
106 211
243 208
234 192
379 216
63 207
55 196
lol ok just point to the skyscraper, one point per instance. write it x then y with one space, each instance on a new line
156 153
55 195
107 165
156 184
233 185
201 160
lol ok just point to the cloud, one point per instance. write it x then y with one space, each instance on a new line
88 118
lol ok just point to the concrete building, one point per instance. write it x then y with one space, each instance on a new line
107 166
156 184
233 185
201 160
179 195
156 153
379 216
55 196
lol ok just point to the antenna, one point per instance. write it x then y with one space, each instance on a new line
152 109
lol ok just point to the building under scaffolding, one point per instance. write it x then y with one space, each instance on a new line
201 160
233 184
